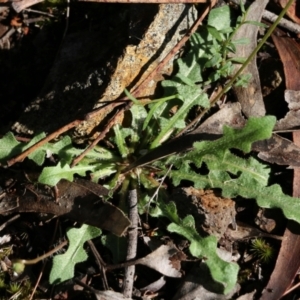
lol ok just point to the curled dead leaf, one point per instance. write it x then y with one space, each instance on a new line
165 259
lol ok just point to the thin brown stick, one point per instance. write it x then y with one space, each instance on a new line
123 264
101 264
42 142
40 258
291 289
9 221
113 104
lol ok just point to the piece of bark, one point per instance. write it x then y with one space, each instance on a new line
250 97
230 114
74 202
289 52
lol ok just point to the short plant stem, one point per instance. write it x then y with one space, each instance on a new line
146 102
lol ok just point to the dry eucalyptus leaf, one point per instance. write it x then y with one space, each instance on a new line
166 260
230 114
292 118
293 11
74 201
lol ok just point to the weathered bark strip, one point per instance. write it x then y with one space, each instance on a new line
250 97
83 70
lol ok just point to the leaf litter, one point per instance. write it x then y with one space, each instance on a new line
208 164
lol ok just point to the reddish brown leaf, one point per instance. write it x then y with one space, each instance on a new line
294 10
289 52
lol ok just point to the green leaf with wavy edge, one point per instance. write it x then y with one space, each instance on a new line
64 264
201 247
245 186
235 165
255 129
190 70
38 156
154 108
52 175
9 147
221 271
103 170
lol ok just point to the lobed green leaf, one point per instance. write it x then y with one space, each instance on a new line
221 271
64 264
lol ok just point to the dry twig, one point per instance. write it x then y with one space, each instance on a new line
42 142
132 243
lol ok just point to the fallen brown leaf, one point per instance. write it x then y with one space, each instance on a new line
75 201
166 260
